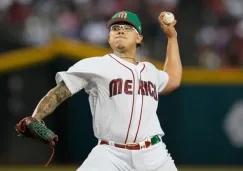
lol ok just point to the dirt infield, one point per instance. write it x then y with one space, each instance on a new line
58 168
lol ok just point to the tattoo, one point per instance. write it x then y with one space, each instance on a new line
49 103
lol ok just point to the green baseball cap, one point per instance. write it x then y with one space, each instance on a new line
128 17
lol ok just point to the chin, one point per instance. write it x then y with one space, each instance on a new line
120 46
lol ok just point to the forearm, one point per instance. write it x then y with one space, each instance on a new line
49 103
46 106
173 64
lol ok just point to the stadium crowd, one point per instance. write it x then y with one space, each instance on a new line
210 31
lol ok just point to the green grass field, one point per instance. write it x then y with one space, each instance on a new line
58 168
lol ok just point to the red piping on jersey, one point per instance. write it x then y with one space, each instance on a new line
132 95
141 111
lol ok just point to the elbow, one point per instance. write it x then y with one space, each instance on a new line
172 85
174 82
177 84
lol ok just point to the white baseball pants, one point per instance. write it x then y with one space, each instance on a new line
110 158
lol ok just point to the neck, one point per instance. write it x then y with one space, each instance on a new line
128 56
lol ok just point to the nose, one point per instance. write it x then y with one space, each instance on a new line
121 30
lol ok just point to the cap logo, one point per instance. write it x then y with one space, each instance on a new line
122 15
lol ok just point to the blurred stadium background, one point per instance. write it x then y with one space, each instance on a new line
203 120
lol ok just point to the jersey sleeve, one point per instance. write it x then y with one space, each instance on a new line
78 76
163 79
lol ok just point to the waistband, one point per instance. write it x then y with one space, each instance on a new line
134 146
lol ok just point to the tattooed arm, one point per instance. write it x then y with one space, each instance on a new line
49 103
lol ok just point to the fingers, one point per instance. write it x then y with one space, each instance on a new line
160 18
163 25
162 15
172 24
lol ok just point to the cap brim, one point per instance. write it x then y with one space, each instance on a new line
117 20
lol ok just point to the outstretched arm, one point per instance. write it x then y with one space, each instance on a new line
49 103
173 66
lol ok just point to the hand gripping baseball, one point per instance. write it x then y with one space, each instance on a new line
30 127
169 29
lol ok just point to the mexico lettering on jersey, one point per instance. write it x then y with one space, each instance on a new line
118 86
123 97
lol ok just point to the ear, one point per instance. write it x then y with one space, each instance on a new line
139 39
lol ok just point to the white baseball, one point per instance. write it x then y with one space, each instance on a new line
168 18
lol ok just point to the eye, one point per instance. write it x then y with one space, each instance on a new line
115 27
128 27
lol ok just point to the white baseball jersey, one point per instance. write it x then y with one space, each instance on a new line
123 97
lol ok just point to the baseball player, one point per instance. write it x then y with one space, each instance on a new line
123 97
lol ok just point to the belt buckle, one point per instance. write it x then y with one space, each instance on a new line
130 145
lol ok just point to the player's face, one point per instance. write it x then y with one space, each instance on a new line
124 37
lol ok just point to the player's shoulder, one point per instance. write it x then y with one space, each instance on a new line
91 59
94 60
149 65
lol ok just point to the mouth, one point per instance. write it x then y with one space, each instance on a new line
120 37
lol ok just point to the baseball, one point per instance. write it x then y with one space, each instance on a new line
168 18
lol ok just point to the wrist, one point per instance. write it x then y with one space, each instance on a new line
172 38
36 117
